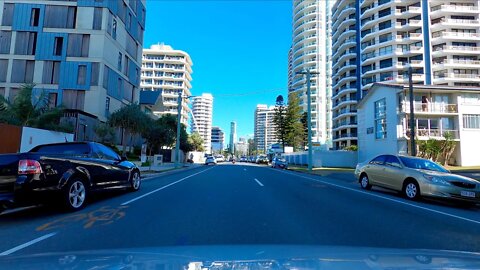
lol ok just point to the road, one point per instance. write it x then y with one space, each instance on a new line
242 204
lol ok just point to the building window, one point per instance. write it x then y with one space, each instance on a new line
3 70
5 41
7 19
34 17
107 104
52 100
73 99
78 45
22 71
471 121
26 43
60 16
82 75
119 61
95 73
380 119
126 66
97 19
58 46
114 29
51 72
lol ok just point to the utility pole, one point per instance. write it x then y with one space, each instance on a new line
412 112
179 117
309 117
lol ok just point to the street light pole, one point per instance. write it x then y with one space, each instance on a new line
179 117
308 74
412 112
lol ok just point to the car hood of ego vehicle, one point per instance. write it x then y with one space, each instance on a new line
247 257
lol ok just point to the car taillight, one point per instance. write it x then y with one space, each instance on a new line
28 166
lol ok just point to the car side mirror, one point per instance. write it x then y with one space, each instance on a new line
123 158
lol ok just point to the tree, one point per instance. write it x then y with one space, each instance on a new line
30 108
130 119
196 141
448 147
294 127
105 133
251 146
280 121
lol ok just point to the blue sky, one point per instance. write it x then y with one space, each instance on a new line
239 51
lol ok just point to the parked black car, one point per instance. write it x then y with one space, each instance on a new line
65 171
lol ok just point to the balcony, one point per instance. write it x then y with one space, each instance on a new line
454 8
455 35
451 76
431 107
425 134
345 135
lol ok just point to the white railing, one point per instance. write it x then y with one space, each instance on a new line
432 133
428 107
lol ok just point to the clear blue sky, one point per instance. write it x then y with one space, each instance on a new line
237 48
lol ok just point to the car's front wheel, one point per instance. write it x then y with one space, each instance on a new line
135 181
411 190
365 182
75 194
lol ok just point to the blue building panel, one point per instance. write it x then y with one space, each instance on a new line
141 13
115 85
133 76
69 75
46 46
36 92
23 17
110 4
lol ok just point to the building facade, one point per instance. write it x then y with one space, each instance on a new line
241 147
167 71
264 129
379 40
85 54
384 120
233 137
218 140
202 110
309 51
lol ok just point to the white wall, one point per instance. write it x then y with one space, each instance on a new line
469 147
340 159
368 146
32 137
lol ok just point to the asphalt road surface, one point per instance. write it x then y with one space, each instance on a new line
243 204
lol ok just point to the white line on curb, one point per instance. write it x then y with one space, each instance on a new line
389 199
29 243
260 183
158 189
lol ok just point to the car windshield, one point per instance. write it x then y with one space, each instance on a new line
423 164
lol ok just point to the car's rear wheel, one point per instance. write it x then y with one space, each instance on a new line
135 181
365 182
75 194
411 190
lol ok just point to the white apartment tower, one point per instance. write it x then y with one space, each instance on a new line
309 52
167 71
218 140
378 40
202 110
264 130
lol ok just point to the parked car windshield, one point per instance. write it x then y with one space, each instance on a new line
76 148
423 164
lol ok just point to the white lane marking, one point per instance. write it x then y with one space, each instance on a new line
389 199
258 182
29 243
158 189
15 210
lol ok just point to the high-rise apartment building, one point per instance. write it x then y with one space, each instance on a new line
218 140
167 71
202 109
85 54
264 130
233 137
379 40
309 52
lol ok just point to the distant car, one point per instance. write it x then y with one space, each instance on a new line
219 158
210 160
243 159
279 162
416 177
262 159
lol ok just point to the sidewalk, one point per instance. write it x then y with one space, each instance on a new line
343 174
151 171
